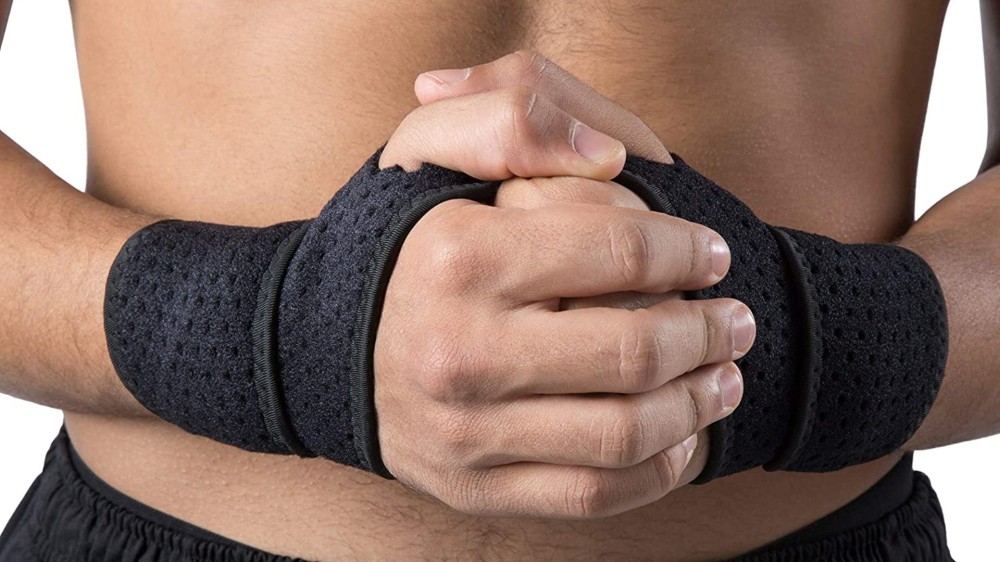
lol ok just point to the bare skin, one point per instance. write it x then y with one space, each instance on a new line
810 114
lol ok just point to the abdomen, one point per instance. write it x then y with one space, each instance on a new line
253 113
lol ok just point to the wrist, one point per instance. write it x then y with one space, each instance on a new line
851 343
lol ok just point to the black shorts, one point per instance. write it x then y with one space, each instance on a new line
70 515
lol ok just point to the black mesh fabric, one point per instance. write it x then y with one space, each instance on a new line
851 338
179 303
181 299
885 342
850 351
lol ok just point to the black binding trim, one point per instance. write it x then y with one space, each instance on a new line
811 346
376 278
655 198
266 378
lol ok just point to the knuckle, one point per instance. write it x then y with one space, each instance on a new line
695 412
443 370
622 438
458 436
697 334
700 252
640 355
629 252
669 466
716 331
706 320
587 495
454 258
516 116
530 66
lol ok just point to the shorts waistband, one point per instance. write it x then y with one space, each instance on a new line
898 519
70 514
68 499
884 497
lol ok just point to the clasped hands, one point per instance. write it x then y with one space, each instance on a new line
534 357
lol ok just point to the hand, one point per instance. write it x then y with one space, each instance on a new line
534 193
557 124
533 72
541 107
494 400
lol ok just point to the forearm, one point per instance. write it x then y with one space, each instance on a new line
57 246
959 239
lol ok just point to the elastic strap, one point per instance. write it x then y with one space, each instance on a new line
811 350
270 396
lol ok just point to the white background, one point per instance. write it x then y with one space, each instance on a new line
40 108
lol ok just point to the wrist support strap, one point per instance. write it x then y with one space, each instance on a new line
262 338
851 338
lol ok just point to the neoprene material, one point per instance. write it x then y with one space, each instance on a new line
851 338
262 338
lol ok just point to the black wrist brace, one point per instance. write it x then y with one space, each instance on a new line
851 338
262 338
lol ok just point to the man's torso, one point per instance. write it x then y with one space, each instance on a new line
253 113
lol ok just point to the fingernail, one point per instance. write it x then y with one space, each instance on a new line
593 145
720 257
744 330
689 444
731 386
449 75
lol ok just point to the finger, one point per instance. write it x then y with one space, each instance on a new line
530 69
699 458
612 430
500 134
534 193
621 351
576 492
567 251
